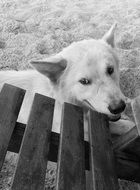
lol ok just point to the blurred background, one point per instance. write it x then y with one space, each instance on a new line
38 28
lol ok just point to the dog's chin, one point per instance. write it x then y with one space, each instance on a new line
114 118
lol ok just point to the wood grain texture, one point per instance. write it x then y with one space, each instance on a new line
103 174
16 139
71 163
126 149
11 99
127 165
33 156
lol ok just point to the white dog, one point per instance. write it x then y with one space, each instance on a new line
85 73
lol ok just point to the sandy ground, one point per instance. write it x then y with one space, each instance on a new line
37 28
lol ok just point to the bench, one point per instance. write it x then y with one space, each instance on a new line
35 144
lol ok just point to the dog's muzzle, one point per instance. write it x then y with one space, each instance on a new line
112 117
117 108
88 104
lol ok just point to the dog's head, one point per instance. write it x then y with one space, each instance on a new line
87 73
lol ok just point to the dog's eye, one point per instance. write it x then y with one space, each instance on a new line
110 70
84 81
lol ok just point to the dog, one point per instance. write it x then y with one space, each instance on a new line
85 73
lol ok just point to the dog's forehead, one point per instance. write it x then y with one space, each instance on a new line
89 52
89 58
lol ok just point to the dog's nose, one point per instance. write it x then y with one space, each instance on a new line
117 108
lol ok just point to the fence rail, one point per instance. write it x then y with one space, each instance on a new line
36 144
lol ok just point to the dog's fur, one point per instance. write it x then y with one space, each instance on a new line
61 77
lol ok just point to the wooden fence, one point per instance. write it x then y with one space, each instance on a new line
36 144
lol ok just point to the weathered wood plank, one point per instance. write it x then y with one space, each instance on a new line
33 156
16 139
127 165
71 163
11 99
103 174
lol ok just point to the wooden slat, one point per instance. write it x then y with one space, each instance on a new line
16 139
127 165
103 174
71 168
11 99
33 156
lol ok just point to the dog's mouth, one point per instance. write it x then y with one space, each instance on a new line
112 117
88 104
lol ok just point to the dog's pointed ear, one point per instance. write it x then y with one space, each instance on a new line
109 36
51 67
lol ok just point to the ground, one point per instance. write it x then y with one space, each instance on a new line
37 28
